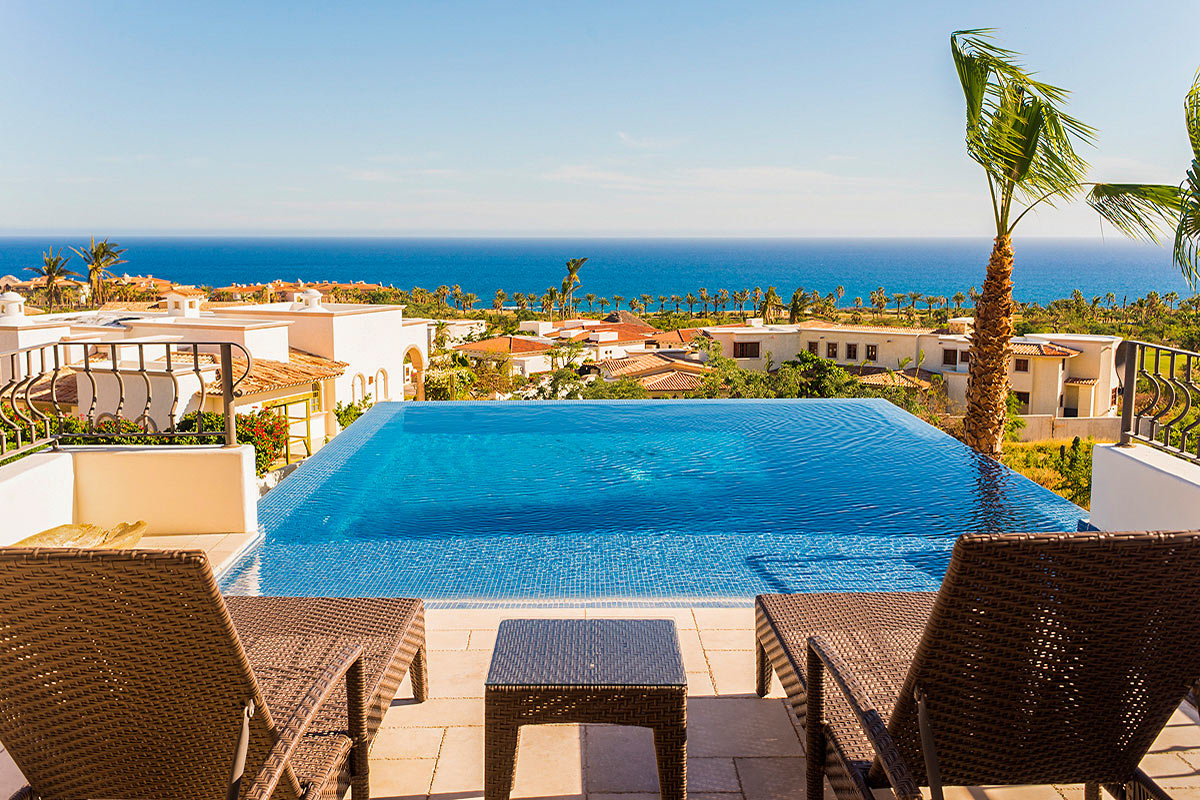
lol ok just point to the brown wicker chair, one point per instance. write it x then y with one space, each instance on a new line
1044 658
124 674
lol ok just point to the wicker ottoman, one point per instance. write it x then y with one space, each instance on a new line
614 671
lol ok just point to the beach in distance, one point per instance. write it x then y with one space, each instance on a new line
1045 269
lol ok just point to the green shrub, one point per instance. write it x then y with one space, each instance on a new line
346 413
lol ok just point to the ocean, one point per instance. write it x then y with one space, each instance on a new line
1045 268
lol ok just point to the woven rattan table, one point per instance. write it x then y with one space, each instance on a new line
614 671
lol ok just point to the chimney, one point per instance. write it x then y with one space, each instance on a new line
12 307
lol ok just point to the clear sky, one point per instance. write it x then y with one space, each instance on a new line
636 118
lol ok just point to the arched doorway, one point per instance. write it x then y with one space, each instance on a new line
414 374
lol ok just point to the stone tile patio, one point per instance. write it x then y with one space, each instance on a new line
740 747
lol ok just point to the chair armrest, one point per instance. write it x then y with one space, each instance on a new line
346 664
823 656
1142 787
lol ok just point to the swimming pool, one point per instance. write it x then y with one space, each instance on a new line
705 500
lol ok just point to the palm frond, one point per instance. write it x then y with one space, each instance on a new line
1186 251
1138 210
1191 113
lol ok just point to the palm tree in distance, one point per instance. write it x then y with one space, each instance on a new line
616 302
591 298
572 280
771 305
498 300
99 258
52 271
958 298
690 299
603 303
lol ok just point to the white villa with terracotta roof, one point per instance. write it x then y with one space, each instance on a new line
1054 375
307 356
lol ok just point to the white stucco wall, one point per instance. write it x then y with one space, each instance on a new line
1139 488
176 490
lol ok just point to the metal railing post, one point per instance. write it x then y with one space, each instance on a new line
227 394
1129 392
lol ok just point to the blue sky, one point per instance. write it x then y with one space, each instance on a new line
552 118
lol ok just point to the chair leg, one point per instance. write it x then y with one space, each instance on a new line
670 750
419 671
814 728
500 743
762 671
1091 791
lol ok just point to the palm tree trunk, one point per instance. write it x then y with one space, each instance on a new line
991 346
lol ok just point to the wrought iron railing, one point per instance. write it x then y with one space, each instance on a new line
119 389
1160 397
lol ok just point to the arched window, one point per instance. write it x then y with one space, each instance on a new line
358 388
382 390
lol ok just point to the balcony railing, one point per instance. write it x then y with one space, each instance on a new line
137 391
1160 398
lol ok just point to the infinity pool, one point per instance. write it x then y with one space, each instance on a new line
705 500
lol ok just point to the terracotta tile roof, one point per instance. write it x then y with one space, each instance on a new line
681 336
647 363
1048 349
67 390
671 382
186 291
879 376
504 344
267 375
122 305
624 317
1080 382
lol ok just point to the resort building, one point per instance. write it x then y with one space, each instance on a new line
305 358
525 355
1053 375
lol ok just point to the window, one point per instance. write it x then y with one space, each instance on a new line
831 349
964 357
812 348
745 349
872 352
1023 398
852 352
1021 365
1113 402
949 358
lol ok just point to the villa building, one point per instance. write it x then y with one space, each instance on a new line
665 373
1053 375
526 355
305 358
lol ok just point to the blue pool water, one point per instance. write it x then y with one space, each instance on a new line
709 500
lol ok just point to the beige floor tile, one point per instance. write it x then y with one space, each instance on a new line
620 759
771 778
740 618
683 618
470 619
457 673
460 766
392 742
10 777
482 639
550 763
727 638
401 779
1170 770
434 713
439 639
712 775
692 651
700 685
733 673
727 727
1180 735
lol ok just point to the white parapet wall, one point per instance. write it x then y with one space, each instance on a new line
176 490
1139 488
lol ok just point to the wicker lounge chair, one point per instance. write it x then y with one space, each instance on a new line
1044 658
123 673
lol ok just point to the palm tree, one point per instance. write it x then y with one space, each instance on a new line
1025 143
690 299
521 300
441 293
573 266
899 297
958 299
468 300
704 298
798 307
53 270
498 300
552 296
676 299
771 305
840 291
591 298
662 301
1140 210
100 258
616 302
723 299
755 297
646 300
603 303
